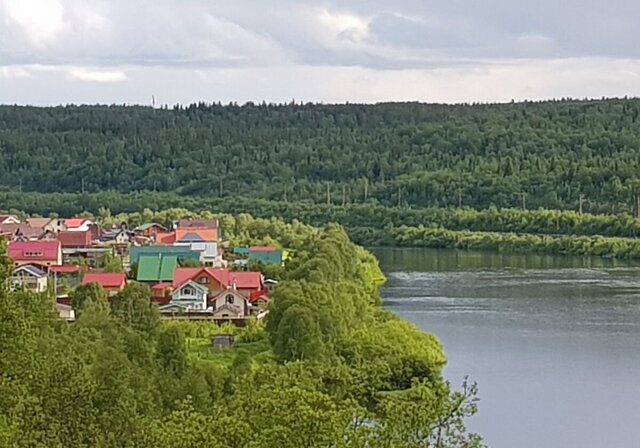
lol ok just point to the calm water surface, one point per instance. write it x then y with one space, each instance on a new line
553 342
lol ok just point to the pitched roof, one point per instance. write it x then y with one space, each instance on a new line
227 278
161 285
166 238
182 252
156 268
75 222
204 233
193 284
203 223
38 222
148 225
75 239
191 237
22 229
32 269
49 250
105 279
65 269
4 218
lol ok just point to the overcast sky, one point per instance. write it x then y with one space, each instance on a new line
181 51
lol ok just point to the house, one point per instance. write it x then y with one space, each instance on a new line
220 279
116 236
190 296
78 224
9 219
264 254
209 254
75 239
29 277
52 225
42 253
21 232
150 230
112 283
229 304
161 293
203 234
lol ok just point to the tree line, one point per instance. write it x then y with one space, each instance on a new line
556 154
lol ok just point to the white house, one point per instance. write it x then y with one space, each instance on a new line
30 277
208 250
190 296
78 224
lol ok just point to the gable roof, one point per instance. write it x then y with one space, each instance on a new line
182 252
191 237
204 233
13 219
166 238
65 269
195 285
105 279
38 222
49 250
22 229
227 278
31 269
156 268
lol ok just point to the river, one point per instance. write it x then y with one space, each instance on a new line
553 342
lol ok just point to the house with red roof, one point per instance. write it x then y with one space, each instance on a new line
41 253
112 282
227 293
78 224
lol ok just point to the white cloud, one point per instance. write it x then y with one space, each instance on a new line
41 20
84 74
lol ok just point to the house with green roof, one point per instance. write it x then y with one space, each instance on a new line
157 263
182 252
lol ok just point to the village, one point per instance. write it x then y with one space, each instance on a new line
192 273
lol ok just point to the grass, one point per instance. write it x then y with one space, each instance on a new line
201 351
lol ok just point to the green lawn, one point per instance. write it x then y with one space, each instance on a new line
201 351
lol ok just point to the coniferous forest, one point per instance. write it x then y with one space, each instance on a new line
558 154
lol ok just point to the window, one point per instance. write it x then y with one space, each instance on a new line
33 254
189 291
203 280
230 298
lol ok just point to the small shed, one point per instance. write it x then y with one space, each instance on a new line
223 340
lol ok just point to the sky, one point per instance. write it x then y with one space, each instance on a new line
183 51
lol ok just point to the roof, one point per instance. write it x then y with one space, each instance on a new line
263 249
166 238
191 237
75 222
22 229
182 252
75 239
65 269
49 250
105 279
161 285
38 222
148 225
3 218
204 233
33 270
227 278
203 223
156 268
193 284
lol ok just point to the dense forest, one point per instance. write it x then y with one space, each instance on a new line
329 369
559 154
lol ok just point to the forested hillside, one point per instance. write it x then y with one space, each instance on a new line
547 154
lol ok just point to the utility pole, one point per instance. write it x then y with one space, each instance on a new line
220 190
399 196
285 192
580 201
328 194
524 200
637 205
459 197
83 185
344 195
